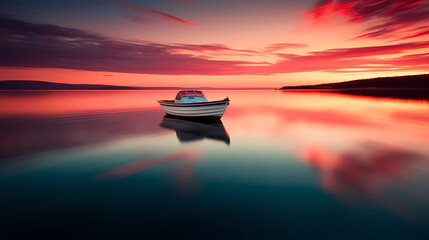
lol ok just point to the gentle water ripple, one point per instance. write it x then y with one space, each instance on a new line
305 165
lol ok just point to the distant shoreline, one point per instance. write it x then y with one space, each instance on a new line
31 85
405 87
408 93
381 83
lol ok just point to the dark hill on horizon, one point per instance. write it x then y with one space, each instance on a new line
403 87
42 85
400 82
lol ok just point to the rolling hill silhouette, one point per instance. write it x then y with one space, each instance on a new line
401 82
42 85
404 87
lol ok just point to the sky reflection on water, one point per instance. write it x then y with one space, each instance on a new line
277 164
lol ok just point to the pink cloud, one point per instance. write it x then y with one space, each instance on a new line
138 20
392 16
36 45
320 10
148 11
209 47
334 60
279 46
415 34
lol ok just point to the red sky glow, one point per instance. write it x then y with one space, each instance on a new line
205 44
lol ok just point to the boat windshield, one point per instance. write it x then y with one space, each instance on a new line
190 96
190 93
199 94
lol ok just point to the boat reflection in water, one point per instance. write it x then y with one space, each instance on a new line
188 130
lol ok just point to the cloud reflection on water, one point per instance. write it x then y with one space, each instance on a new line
362 147
362 169
42 133
367 170
359 146
192 156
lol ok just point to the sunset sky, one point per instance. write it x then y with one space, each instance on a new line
208 43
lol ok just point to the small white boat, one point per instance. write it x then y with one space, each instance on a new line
193 103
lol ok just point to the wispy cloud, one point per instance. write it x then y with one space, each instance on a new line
35 45
417 32
358 59
26 44
280 46
148 11
390 16
18 28
138 20
209 47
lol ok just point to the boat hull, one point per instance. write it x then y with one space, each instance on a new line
214 109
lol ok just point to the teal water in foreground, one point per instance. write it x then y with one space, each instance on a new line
298 165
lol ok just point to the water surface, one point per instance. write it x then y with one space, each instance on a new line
108 164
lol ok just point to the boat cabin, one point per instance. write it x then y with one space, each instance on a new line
190 96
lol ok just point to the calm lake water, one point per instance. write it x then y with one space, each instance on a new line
108 164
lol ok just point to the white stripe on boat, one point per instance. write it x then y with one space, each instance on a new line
196 110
